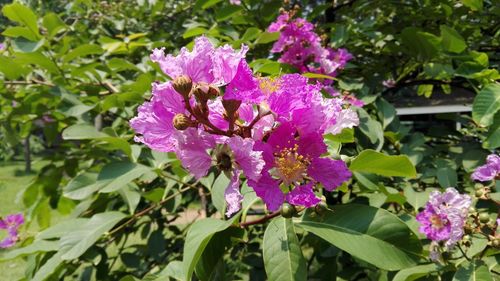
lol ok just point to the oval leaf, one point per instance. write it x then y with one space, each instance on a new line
370 161
283 259
368 233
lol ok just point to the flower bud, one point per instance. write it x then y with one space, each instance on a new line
321 208
479 193
183 85
181 122
203 92
478 186
231 106
287 210
484 217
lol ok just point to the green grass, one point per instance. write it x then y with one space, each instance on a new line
12 181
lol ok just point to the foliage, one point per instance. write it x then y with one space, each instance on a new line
74 72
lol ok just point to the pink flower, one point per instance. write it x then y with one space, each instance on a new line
154 121
11 224
301 47
2 46
205 63
489 171
235 2
291 159
444 217
389 83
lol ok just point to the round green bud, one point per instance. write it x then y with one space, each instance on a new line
484 217
472 210
321 208
479 193
287 210
478 186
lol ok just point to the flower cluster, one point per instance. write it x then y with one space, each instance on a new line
215 112
489 171
11 224
300 46
443 219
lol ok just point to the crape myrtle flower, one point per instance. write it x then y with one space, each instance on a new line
11 224
235 2
489 171
294 161
2 46
216 113
300 46
443 219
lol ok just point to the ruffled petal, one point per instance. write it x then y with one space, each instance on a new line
269 191
233 195
303 195
192 151
248 160
331 173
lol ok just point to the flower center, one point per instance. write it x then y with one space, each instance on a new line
436 222
290 166
269 85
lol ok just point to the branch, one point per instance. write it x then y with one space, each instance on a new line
261 220
30 82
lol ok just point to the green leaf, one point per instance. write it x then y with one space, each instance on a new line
82 186
53 24
48 267
117 175
192 32
20 31
318 76
197 239
283 259
346 136
82 51
131 195
227 12
173 269
26 46
452 41
82 132
38 59
77 241
23 15
267 37
414 273
368 233
60 229
34 248
446 173
211 261
250 34
475 5
473 271
218 189
415 198
370 161
11 69
419 44
486 104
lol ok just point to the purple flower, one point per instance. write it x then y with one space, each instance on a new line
489 171
2 46
235 2
291 159
154 121
11 224
444 217
301 47
204 64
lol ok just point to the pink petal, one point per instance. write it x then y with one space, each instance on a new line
331 173
233 195
303 195
269 191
